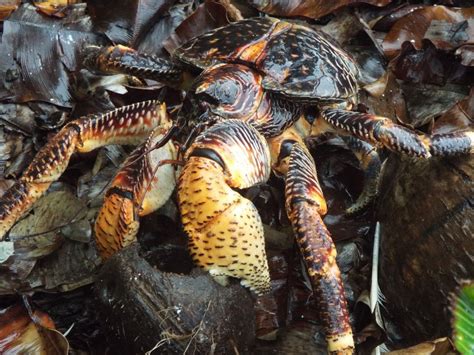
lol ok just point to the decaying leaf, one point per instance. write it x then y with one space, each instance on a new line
39 235
425 102
39 52
308 8
430 65
24 333
207 16
446 28
127 22
441 346
458 117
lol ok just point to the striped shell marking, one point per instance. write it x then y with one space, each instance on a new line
241 148
299 62
235 91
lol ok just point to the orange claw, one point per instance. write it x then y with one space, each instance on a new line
127 125
225 231
136 190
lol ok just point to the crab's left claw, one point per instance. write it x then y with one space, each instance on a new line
141 186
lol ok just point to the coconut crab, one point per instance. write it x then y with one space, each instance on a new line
247 114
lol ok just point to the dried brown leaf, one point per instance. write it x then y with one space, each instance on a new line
441 346
458 117
25 334
39 52
447 28
207 16
308 8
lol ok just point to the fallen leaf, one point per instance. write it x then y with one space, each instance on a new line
21 333
447 28
308 8
207 16
39 52
441 346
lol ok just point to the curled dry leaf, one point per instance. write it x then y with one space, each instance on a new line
458 117
430 65
441 346
209 15
22 333
447 28
308 8
39 52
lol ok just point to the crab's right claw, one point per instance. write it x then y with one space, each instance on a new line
124 60
305 205
225 230
140 187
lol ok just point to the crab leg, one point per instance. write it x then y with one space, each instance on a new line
141 186
382 131
305 206
370 163
225 231
126 125
124 60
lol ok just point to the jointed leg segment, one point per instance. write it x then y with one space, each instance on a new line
127 125
382 131
305 206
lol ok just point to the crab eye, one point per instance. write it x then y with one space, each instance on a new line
226 91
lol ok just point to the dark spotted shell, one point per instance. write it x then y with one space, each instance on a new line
299 62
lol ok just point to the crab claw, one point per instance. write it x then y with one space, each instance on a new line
225 231
140 187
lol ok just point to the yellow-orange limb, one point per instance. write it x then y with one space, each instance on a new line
305 205
141 186
127 125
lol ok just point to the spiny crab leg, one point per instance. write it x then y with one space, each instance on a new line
305 205
140 187
124 60
382 131
127 125
225 230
